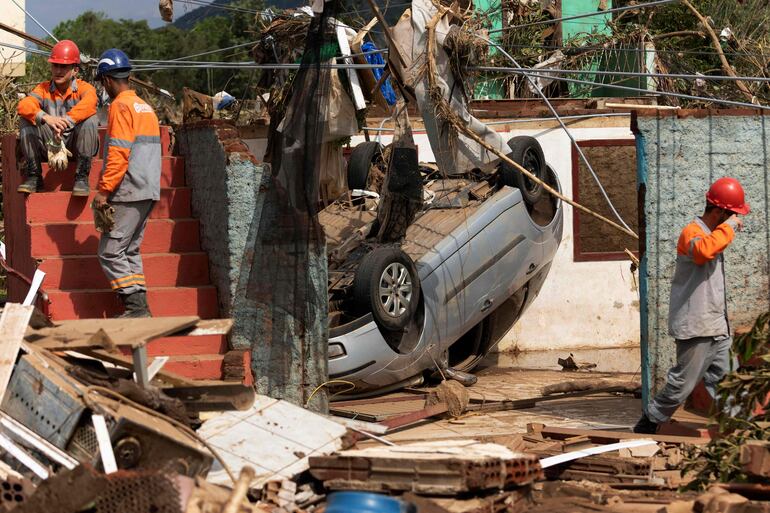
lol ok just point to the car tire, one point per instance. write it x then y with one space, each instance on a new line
386 284
528 153
361 159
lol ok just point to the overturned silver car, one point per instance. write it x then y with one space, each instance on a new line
472 261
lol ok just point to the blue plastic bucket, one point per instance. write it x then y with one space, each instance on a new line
365 502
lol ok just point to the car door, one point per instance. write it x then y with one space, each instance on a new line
515 252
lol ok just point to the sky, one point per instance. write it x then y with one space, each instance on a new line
52 12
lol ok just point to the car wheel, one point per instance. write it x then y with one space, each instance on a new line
361 159
528 153
386 284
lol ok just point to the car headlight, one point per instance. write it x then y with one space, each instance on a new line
336 350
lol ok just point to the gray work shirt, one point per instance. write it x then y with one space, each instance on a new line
698 306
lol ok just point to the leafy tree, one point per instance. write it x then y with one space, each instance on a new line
94 32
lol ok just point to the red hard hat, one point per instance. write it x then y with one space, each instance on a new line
65 52
727 193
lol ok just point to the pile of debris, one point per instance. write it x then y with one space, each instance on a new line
86 411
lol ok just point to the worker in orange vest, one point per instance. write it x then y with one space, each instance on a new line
62 109
697 317
130 181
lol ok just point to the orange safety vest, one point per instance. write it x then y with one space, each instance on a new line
132 150
697 305
77 104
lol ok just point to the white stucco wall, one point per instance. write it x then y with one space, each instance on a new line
581 304
12 61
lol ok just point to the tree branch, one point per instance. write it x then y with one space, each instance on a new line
718 47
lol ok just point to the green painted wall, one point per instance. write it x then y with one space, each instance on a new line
493 13
591 25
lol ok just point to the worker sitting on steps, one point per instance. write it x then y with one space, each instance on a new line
59 114
130 180
697 317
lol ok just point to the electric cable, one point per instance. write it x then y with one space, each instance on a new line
648 91
579 16
618 73
566 130
35 20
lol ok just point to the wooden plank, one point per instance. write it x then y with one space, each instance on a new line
13 325
127 363
211 327
606 437
107 333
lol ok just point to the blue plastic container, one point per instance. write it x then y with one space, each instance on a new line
365 502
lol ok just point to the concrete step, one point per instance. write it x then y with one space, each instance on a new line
165 139
60 207
171 174
164 302
160 269
81 238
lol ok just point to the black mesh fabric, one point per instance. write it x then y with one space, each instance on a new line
288 276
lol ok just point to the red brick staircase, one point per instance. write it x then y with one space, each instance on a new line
54 231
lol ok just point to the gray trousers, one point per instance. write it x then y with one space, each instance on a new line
706 358
82 139
119 249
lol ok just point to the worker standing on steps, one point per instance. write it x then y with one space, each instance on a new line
130 181
697 317
62 108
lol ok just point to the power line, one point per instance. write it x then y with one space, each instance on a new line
636 50
226 7
566 130
252 65
33 19
618 73
25 49
198 54
579 16
647 91
180 63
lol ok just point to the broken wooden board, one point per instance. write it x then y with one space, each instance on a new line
440 468
126 362
107 333
13 325
607 437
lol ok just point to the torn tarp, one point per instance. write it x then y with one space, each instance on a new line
454 152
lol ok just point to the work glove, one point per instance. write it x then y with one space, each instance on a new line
57 155
104 217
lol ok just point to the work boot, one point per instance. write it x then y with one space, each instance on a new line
135 305
645 426
80 188
34 178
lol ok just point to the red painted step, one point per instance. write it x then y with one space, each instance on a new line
185 345
164 302
171 175
64 239
205 366
188 345
160 269
200 367
61 207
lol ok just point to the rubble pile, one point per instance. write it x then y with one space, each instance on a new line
85 427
